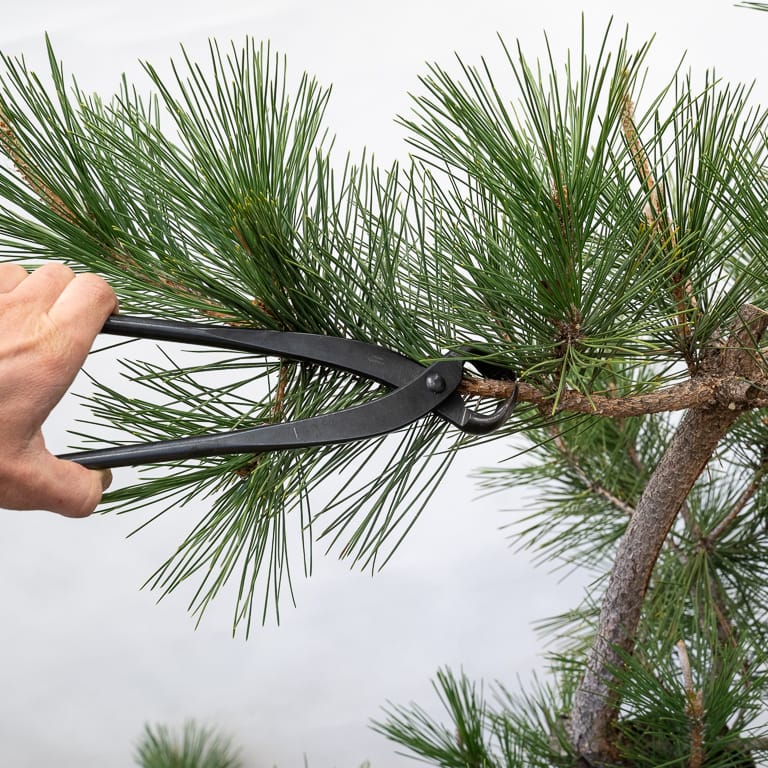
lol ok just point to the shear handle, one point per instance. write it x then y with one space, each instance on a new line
357 357
386 414
351 355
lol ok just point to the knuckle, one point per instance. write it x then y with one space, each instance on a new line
13 270
57 269
97 288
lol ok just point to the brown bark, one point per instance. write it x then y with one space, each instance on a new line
691 393
596 700
686 456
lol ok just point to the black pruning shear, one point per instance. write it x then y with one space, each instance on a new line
416 391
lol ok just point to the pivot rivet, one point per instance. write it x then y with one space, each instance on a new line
435 383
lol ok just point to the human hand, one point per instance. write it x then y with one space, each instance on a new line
48 321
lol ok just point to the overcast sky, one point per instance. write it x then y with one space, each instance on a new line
85 657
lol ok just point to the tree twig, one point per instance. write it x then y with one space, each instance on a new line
694 708
700 391
9 143
660 223
738 507
596 488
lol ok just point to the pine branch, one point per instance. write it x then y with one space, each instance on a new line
545 234
240 218
702 390
688 394
195 747
726 634
660 224
693 444
694 709
730 518
590 485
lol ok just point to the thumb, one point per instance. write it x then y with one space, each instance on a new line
70 489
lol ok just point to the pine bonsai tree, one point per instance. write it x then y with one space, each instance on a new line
608 245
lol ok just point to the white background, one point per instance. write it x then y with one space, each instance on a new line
85 657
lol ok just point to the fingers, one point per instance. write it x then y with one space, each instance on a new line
82 297
49 321
41 481
44 286
69 299
72 490
75 305
81 309
10 276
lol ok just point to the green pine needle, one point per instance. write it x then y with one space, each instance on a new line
196 747
571 229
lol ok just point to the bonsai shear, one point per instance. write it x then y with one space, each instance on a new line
417 390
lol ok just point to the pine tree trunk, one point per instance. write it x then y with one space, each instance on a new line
693 444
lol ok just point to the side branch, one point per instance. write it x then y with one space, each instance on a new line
736 510
660 223
698 392
595 488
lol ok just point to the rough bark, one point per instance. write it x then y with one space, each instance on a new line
686 456
691 393
695 440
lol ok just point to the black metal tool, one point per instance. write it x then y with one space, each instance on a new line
417 391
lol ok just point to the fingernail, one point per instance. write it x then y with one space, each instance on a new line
106 478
